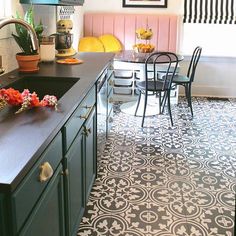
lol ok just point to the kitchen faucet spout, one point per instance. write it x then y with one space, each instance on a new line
30 29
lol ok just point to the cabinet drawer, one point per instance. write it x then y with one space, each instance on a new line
123 74
29 191
123 82
122 90
77 119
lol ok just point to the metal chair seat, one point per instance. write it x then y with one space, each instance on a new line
152 86
181 79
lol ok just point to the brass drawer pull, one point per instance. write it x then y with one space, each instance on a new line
65 173
46 172
90 108
87 131
110 100
111 83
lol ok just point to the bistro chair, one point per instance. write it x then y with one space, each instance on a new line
153 85
187 80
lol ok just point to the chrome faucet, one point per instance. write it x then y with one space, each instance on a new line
33 35
32 32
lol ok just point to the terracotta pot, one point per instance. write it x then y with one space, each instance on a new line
28 63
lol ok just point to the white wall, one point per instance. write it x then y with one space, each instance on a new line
174 6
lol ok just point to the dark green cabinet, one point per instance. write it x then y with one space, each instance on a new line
51 198
79 162
47 217
89 155
74 186
54 2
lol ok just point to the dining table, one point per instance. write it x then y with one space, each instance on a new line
135 61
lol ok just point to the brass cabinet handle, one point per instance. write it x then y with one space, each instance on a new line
46 172
86 106
90 108
110 100
65 173
83 117
111 82
87 131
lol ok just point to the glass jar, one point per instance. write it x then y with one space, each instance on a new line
47 48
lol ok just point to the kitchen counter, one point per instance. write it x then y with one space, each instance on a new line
24 136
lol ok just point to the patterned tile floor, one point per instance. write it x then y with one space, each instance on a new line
167 181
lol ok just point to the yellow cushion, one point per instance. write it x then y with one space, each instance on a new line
90 44
111 43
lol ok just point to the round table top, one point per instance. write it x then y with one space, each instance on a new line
134 57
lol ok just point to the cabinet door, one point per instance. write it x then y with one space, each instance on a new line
74 185
90 157
47 217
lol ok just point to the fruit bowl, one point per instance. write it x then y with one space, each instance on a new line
143 48
144 33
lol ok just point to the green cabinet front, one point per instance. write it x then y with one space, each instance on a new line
74 185
79 161
54 2
90 152
47 217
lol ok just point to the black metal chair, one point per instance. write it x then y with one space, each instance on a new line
187 80
152 85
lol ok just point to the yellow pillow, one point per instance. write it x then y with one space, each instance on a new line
111 43
90 44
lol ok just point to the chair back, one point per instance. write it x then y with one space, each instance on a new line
169 59
193 63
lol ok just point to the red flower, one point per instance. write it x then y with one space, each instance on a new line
26 99
11 96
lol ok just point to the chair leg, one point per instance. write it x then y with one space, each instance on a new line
160 103
169 110
163 102
190 99
138 103
186 91
144 110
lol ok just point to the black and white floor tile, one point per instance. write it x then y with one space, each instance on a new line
167 181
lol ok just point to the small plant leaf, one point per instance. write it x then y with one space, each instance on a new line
29 16
22 36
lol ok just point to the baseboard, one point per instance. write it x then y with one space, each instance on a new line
211 91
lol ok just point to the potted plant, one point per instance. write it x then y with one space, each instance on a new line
28 59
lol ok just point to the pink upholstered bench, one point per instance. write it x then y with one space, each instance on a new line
123 26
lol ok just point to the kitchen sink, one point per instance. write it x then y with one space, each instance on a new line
44 85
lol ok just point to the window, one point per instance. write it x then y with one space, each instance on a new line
215 39
210 24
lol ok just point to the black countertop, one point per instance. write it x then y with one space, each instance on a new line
24 136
